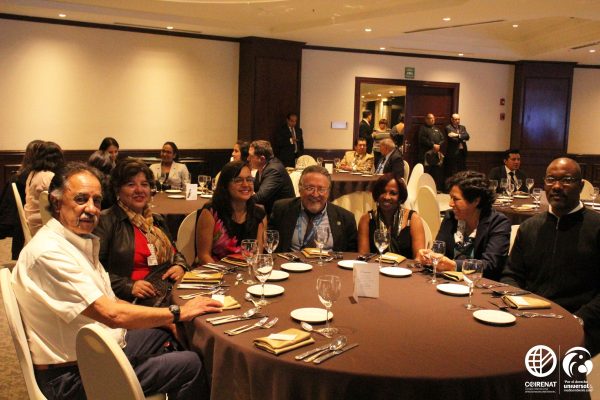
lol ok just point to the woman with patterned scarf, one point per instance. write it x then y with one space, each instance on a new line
135 243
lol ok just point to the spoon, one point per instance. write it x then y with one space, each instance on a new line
232 318
337 344
249 297
238 279
309 328
244 328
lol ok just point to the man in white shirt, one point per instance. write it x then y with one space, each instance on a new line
61 286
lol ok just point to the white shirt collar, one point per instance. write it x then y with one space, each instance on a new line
577 208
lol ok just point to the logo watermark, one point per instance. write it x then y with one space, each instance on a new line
577 364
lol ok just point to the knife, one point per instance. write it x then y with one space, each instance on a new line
228 320
335 353
313 351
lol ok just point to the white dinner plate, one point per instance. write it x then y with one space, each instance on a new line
270 290
356 173
396 271
349 264
172 191
206 196
494 317
296 267
277 275
367 175
176 196
310 314
521 196
453 289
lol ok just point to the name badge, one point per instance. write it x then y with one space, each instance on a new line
152 260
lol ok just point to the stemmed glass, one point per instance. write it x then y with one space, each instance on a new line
336 162
438 249
321 238
161 180
517 186
262 267
493 185
503 183
153 191
271 240
529 182
510 187
328 289
595 194
249 252
537 195
203 182
472 271
320 161
382 241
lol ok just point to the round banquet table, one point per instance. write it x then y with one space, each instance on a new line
175 210
415 342
345 183
517 216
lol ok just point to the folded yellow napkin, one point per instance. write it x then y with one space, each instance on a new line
277 347
391 258
234 261
312 252
526 302
453 275
205 277
230 303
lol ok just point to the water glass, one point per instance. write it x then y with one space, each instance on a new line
262 267
336 162
472 271
438 249
518 182
529 182
321 238
153 191
503 183
328 289
381 238
537 195
203 182
271 240
493 185
161 180
320 161
249 252
510 187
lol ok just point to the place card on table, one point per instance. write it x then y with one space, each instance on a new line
191 191
366 280
329 167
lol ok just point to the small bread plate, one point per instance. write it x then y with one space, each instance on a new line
453 289
277 275
296 267
176 196
396 272
172 191
521 196
349 264
206 196
494 317
270 290
310 314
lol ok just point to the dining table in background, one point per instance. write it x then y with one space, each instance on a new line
414 342
345 183
175 209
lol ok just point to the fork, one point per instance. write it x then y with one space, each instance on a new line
245 328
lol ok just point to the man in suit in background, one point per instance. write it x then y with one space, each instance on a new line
357 160
297 219
365 130
289 143
456 151
509 171
391 159
272 180
430 149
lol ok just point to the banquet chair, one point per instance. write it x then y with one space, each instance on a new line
428 208
17 366
412 185
427 180
428 237
44 203
305 161
295 177
513 235
358 203
105 370
22 218
587 192
186 237
406 171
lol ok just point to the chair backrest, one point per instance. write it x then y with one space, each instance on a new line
17 350
358 203
186 237
428 208
513 235
44 202
443 200
105 371
22 218
412 185
305 161
588 190
427 180
428 237
295 177
406 171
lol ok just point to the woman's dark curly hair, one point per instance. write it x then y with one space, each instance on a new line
380 184
127 169
473 185
49 157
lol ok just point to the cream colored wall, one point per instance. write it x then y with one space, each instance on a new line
328 94
76 85
583 128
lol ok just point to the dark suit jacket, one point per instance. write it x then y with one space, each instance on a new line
498 173
491 241
394 163
364 131
272 184
284 148
452 147
341 222
428 136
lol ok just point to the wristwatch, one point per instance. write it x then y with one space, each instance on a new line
175 311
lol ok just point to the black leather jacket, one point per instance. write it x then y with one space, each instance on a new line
117 246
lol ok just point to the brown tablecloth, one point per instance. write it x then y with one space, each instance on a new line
344 183
415 342
515 216
175 210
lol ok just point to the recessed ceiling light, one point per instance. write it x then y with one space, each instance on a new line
362 97
368 29
170 28
592 50
391 92
461 54
515 25
446 19
378 94
62 15
382 48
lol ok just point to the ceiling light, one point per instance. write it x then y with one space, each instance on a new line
170 28
592 50
382 48
461 54
446 19
391 92
62 15
378 94
362 97
368 29
515 25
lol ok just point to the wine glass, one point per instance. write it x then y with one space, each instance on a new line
249 252
493 185
321 238
438 249
271 240
320 161
328 289
595 194
529 182
262 267
503 183
336 162
537 195
202 182
472 271
161 180
382 241
153 191
518 183
510 187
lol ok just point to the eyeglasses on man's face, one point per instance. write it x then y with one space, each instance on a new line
313 189
565 180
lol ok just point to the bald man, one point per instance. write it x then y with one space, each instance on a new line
456 150
556 254
391 159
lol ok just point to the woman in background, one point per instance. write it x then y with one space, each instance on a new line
175 175
240 151
103 162
110 146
